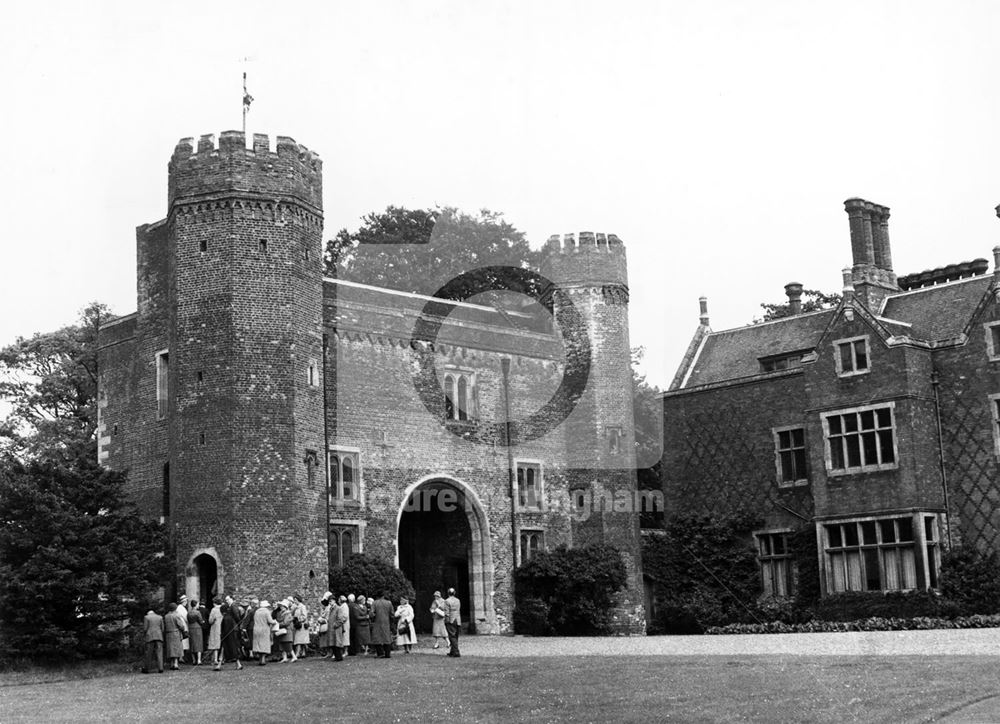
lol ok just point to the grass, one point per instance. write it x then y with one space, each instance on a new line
587 688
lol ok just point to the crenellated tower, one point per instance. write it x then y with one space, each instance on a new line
589 292
245 407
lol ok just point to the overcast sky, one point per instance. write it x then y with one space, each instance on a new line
717 139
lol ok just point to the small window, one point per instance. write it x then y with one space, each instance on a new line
344 540
992 340
162 383
201 438
532 543
460 396
529 485
312 373
201 377
790 456
263 246
345 478
852 356
781 362
203 245
775 564
994 402
614 439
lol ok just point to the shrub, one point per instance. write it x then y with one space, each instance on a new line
971 579
372 576
568 591
855 605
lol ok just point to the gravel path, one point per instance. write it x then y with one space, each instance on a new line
942 642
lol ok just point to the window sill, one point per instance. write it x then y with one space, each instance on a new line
858 373
794 483
845 472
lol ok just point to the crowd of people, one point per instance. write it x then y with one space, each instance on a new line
226 631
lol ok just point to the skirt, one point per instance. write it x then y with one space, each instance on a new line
364 633
197 639
438 630
173 648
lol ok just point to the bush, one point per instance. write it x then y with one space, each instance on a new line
972 580
868 624
568 591
855 605
372 576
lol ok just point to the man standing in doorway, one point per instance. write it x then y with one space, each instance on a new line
453 621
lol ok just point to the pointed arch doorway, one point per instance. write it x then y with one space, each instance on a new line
443 542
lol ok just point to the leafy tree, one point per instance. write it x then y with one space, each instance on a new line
77 562
50 383
568 591
812 301
421 250
372 576
971 579
648 415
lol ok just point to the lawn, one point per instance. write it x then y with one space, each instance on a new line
422 687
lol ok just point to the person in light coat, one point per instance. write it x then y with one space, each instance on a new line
153 630
300 636
438 630
215 630
406 635
325 640
175 629
341 628
263 621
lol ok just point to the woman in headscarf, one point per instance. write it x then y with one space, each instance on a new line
230 636
438 630
406 635
262 623
215 630
196 644
174 630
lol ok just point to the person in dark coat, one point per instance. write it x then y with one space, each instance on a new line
382 627
361 625
453 621
195 621
230 636
153 630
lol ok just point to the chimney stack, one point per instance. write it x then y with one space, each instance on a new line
872 276
848 291
703 304
862 243
794 292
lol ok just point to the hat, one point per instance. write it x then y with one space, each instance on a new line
182 598
350 597
264 604
328 594
437 594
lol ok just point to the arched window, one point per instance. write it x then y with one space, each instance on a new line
463 398
344 540
460 396
345 478
531 544
449 397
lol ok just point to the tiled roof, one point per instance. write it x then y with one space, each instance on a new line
735 353
938 312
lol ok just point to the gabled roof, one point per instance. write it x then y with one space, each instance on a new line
938 312
735 353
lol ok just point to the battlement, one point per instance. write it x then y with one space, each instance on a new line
585 259
224 166
587 240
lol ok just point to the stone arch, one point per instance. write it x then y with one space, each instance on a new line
204 570
478 610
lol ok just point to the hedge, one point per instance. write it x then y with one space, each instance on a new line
868 624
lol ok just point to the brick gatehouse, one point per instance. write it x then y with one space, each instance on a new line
277 420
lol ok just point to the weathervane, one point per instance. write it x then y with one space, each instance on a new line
247 100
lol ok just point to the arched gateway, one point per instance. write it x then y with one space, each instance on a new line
443 540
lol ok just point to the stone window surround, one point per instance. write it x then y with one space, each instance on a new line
162 363
838 343
526 531
995 416
471 409
358 544
359 478
766 561
540 468
920 542
992 352
777 456
827 459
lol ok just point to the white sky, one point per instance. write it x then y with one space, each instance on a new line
717 139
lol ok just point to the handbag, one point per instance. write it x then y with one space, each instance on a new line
281 632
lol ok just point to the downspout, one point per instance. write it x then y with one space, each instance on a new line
935 383
326 458
505 369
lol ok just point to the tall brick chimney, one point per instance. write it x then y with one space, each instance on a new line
871 273
794 292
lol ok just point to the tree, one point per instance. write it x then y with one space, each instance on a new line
77 562
422 250
812 301
50 383
647 410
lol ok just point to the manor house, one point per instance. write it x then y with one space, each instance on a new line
876 423
277 420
